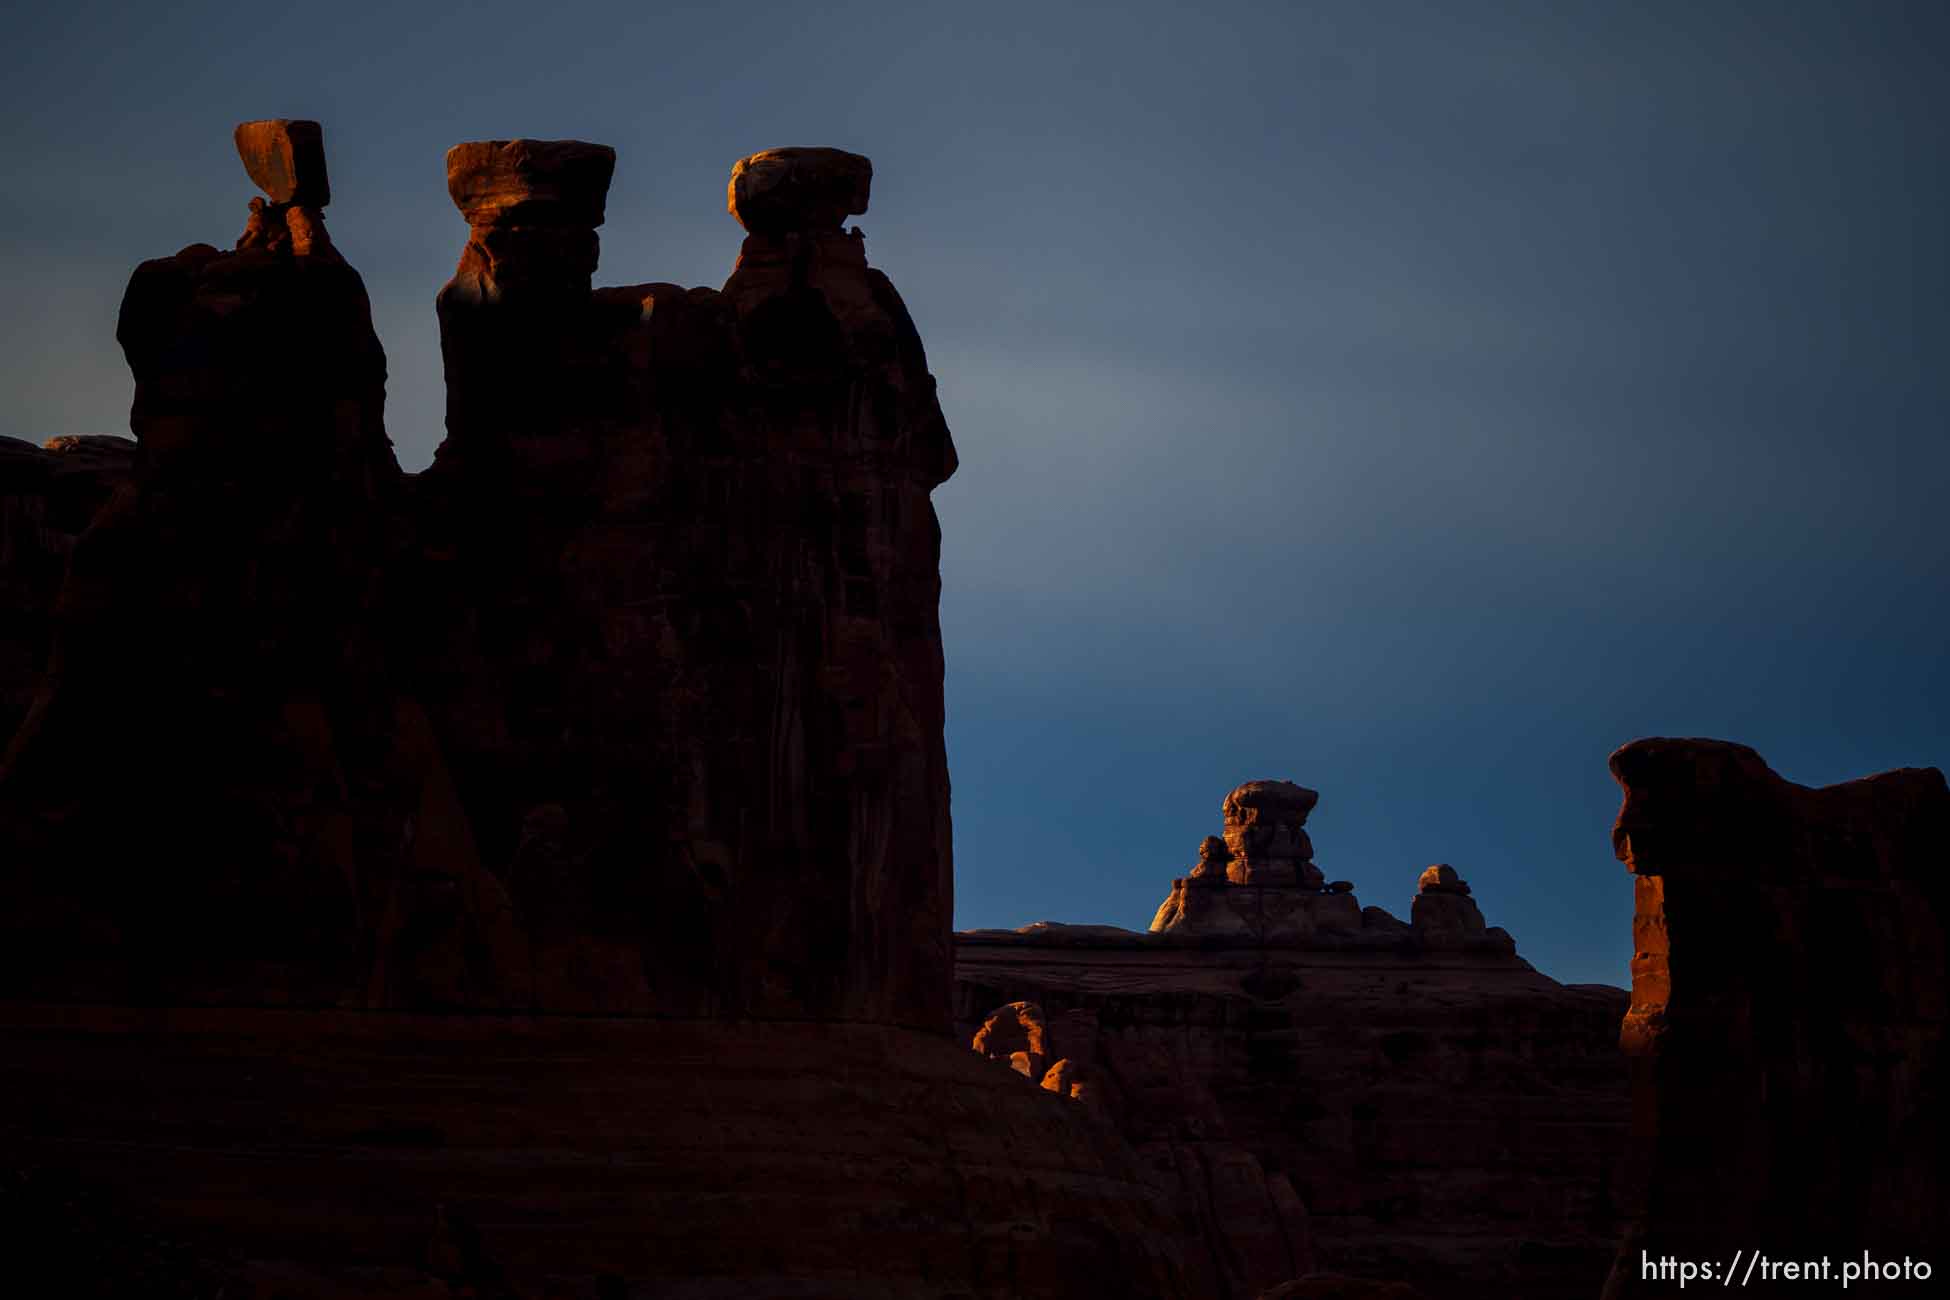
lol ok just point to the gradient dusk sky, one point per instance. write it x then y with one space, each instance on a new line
1416 401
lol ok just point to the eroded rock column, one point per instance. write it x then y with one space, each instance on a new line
221 793
687 653
1266 830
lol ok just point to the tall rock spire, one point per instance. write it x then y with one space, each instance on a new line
712 768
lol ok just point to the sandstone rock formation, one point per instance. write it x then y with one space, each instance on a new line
1017 1034
1787 1027
632 703
681 639
1260 884
220 734
780 192
1443 906
286 159
1213 859
1265 829
530 878
1315 1084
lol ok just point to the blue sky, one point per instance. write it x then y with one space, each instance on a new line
1413 400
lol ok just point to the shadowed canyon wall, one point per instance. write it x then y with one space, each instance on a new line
1787 1025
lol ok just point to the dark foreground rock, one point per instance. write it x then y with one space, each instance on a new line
48 495
1788 1017
333 1153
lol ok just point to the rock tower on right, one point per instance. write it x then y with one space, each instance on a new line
1787 1032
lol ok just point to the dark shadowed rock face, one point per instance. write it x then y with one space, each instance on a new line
1318 1085
336 1155
632 704
681 636
1334 1286
1787 1026
211 798
529 879
48 495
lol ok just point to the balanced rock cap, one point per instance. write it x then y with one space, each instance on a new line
285 157
530 182
782 191
1441 879
1285 800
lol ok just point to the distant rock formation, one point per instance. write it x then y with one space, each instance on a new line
1322 1086
1443 906
530 878
1260 885
1266 831
1788 1020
